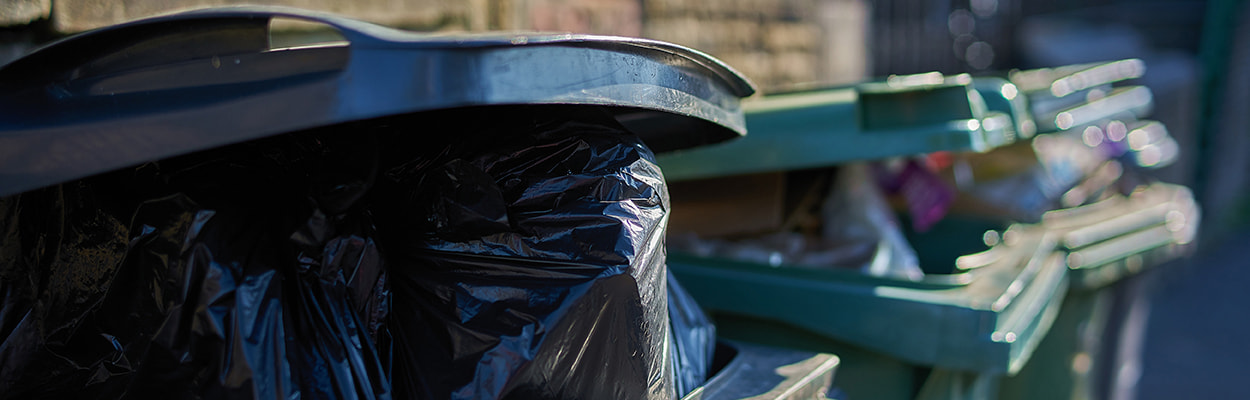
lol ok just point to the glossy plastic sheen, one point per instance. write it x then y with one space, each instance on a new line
694 339
762 373
509 253
155 88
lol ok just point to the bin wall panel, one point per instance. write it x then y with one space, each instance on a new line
990 325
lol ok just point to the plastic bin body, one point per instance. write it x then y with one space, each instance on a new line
1107 244
901 334
874 120
985 321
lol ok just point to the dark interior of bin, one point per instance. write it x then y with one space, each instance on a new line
344 158
725 353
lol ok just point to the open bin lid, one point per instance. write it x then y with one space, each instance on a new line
1075 96
171 85
905 115
1111 239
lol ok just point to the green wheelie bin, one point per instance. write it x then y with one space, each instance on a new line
953 333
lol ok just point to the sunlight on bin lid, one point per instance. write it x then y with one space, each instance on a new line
900 116
1066 80
175 84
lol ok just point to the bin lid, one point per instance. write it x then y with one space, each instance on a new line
1075 96
170 85
902 116
1113 238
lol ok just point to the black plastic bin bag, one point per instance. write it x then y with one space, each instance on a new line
225 274
531 256
191 209
694 339
487 253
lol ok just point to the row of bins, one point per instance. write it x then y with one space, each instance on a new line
1022 200
392 214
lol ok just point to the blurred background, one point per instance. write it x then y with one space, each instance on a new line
1189 328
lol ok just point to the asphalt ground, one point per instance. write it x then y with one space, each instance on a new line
1196 318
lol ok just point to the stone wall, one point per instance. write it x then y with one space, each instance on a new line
779 44
20 12
78 15
605 17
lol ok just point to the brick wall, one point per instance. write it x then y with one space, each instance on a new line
779 44
80 15
605 17
19 12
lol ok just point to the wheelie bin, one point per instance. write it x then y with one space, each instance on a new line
953 332
190 210
1108 241
891 353
903 116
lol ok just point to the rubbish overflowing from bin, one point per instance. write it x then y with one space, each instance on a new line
351 263
486 216
343 239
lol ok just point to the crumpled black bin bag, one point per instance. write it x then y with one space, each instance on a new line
528 263
226 274
694 339
505 253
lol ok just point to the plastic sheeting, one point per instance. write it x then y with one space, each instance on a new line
534 261
224 275
694 339
1067 173
859 232
498 253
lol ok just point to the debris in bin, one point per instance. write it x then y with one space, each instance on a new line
859 231
1062 172
856 210
926 195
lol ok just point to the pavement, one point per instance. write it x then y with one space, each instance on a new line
1196 317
